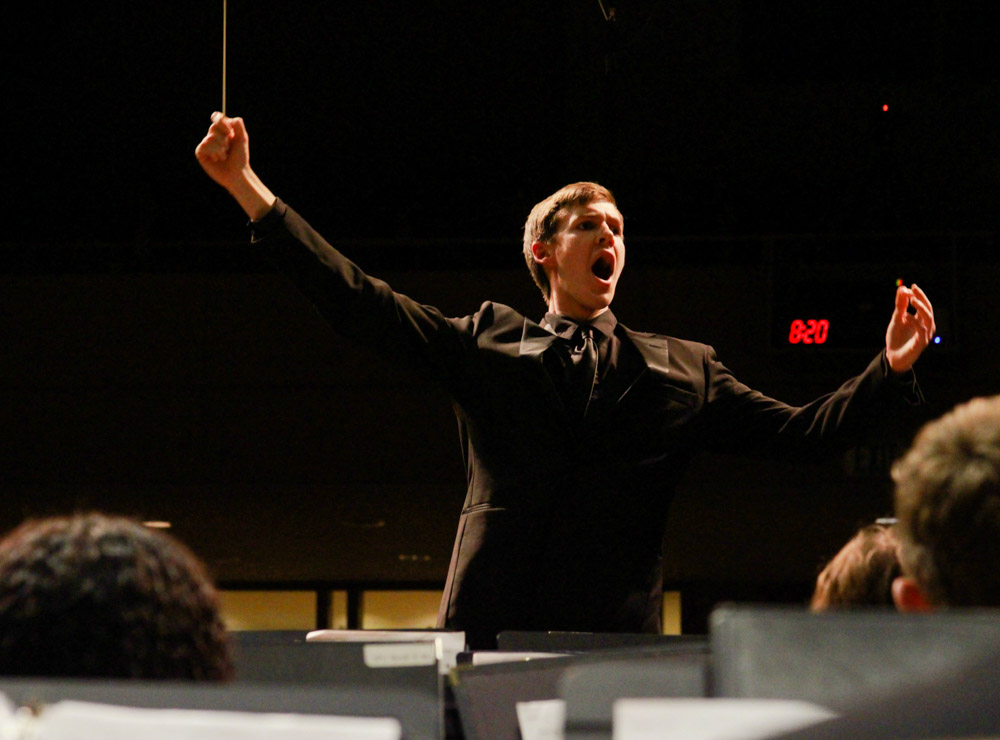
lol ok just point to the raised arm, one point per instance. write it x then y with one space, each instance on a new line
909 333
357 306
224 154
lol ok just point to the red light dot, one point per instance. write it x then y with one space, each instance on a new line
885 107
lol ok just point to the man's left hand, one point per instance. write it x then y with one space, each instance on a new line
909 333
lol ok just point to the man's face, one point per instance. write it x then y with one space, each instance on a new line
584 260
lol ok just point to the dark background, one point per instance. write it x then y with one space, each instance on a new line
151 365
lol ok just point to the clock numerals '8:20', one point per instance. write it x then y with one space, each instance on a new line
810 331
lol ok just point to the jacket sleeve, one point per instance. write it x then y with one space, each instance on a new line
361 307
738 418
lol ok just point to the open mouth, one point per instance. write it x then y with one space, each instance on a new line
604 267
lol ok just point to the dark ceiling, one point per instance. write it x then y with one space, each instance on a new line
450 119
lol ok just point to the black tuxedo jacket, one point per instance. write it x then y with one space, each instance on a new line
564 518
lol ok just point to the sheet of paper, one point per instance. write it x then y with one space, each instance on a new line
73 720
449 644
542 720
400 654
7 708
488 657
15 722
711 719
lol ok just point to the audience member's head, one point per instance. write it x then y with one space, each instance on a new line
95 595
862 573
948 506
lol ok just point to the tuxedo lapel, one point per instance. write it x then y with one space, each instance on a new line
654 350
655 354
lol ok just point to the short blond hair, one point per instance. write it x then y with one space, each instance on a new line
948 506
544 222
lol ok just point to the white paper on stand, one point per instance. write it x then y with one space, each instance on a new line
542 720
76 720
449 644
489 657
712 719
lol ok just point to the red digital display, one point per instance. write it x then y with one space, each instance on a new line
810 331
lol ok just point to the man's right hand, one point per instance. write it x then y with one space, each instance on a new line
225 151
224 154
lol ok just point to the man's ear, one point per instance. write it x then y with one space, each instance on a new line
541 253
908 596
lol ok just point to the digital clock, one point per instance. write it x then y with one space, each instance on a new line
810 331
830 314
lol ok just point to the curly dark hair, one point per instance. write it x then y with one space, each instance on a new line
93 595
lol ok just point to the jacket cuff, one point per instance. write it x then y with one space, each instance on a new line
269 223
905 383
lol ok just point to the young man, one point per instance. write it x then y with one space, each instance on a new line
948 506
576 429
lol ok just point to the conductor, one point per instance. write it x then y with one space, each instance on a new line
575 429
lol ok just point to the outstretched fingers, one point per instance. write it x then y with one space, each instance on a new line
925 311
902 300
923 316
